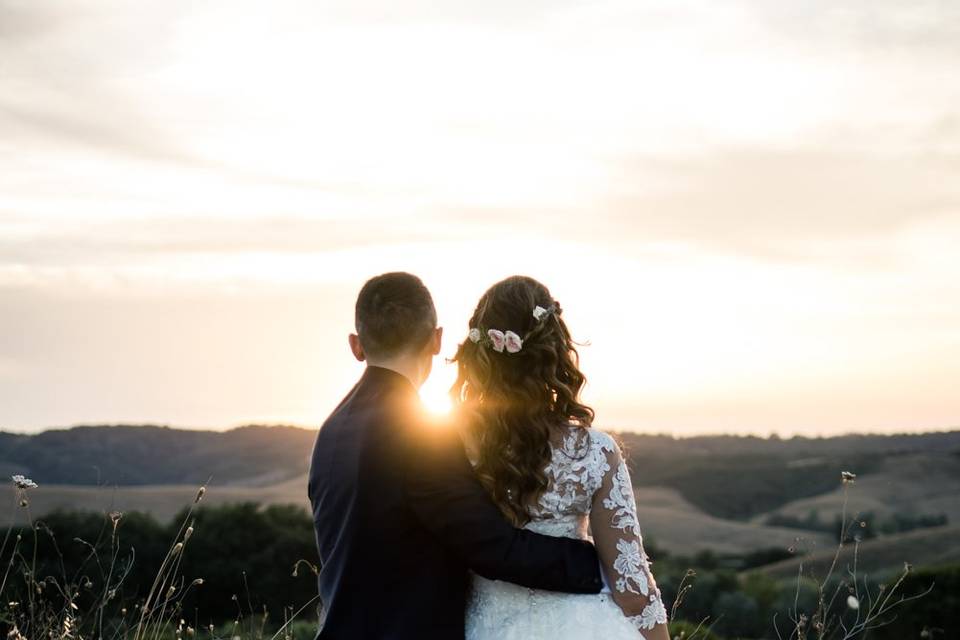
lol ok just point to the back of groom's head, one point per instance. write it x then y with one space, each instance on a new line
394 314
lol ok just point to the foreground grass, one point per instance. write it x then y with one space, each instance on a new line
95 584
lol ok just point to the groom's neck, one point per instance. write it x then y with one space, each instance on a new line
407 366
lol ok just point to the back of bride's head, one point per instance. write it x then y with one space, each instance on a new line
518 381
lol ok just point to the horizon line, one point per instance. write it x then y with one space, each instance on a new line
772 434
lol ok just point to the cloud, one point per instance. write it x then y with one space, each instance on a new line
922 26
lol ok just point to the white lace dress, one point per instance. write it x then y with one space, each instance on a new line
589 493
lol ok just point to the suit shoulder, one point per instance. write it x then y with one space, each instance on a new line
430 433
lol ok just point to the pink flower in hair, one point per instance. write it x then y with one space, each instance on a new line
512 342
497 339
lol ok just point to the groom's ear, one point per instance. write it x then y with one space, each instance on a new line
436 341
356 347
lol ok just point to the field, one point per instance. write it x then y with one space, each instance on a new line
669 520
908 484
929 547
735 519
729 495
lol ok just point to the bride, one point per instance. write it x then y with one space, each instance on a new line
532 445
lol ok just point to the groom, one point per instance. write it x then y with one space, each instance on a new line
398 513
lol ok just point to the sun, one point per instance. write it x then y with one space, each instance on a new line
435 399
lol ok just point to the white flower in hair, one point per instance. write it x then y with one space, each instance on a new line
512 342
539 312
474 335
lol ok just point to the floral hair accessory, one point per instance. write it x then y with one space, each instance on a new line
539 313
501 340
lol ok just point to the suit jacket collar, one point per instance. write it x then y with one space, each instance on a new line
387 377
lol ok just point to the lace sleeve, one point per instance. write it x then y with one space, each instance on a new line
616 532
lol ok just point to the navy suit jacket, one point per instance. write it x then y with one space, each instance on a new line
400 517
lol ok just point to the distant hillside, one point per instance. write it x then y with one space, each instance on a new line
142 455
904 484
725 477
741 477
716 493
930 547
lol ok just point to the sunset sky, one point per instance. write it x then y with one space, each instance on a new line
750 210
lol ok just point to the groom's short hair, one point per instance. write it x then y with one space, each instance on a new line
394 313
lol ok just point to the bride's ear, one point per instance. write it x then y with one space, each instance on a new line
356 348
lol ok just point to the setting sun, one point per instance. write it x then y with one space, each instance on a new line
435 398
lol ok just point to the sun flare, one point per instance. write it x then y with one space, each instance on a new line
435 399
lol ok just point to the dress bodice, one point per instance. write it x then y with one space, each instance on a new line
575 473
589 494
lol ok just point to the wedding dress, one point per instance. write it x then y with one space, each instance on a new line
589 494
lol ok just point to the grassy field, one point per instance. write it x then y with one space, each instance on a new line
908 484
927 547
668 519
717 493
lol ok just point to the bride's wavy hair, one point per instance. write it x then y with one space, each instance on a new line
511 403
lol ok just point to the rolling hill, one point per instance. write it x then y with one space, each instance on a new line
714 493
927 547
147 455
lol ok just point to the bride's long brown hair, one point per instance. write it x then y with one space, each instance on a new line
509 404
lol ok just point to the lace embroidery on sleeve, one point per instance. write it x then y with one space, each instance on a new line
652 615
632 563
626 558
622 502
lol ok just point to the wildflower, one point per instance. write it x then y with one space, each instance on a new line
847 477
474 335
197 581
907 567
23 483
200 493
188 533
853 602
177 547
539 312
